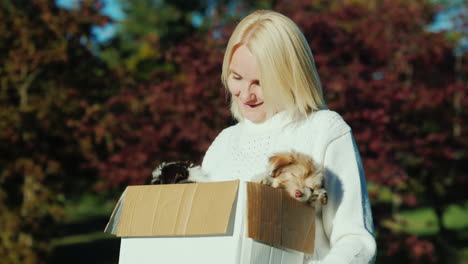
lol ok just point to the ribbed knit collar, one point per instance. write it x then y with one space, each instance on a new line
276 122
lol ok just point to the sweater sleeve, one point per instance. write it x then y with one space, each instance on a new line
214 154
347 217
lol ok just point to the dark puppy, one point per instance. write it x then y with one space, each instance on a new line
178 172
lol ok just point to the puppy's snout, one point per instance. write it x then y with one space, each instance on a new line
299 194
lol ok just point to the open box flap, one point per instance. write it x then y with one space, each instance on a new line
174 210
275 218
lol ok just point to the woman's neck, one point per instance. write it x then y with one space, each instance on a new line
276 122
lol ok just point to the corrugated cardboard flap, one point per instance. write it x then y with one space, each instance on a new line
275 218
175 210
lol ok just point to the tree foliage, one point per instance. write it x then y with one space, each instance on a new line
46 72
174 117
150 27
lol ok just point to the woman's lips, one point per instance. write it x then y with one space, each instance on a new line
253 105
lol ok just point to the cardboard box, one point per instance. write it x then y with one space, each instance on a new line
219 222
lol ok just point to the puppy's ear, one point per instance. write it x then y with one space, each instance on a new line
279 161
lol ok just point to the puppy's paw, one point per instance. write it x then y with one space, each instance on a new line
324 199
266 181
196 174
262 179
321 195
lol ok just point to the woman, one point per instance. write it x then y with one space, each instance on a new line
277 98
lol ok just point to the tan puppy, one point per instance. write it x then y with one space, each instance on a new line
298 175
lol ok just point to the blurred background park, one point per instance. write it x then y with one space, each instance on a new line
94 94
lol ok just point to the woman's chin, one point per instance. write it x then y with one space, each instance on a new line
256 114
255 117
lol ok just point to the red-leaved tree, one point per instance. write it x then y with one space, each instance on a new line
46 69
173 117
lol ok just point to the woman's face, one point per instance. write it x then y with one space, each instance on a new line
244 85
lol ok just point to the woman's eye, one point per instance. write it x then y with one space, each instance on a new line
236 77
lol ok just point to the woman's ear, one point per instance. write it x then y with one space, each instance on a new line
279 161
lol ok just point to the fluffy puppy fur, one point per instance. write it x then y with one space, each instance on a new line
178 172
296 173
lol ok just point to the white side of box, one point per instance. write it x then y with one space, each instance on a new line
231 249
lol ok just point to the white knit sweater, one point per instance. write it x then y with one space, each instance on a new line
344 228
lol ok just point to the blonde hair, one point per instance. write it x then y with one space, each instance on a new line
288 76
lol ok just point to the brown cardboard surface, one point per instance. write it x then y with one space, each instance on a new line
207 209
275 218
177 209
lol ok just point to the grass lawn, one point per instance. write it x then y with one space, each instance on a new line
423 221
82 239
